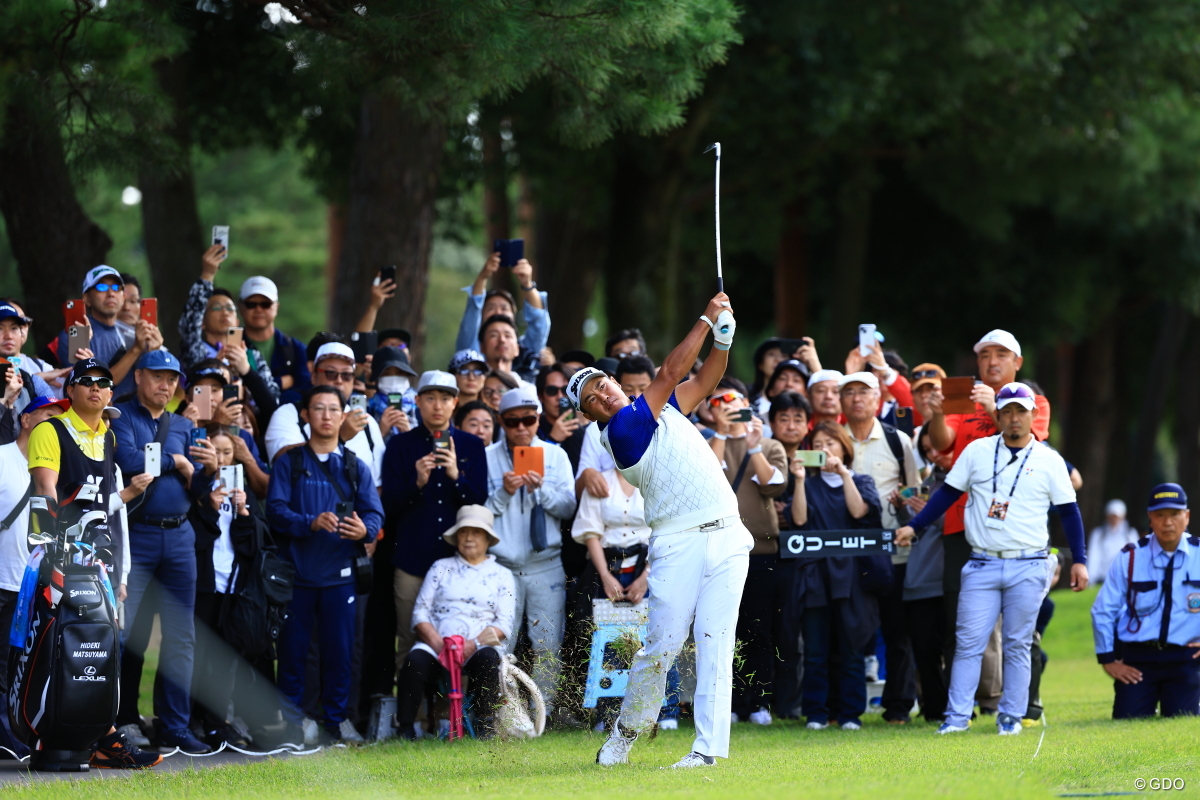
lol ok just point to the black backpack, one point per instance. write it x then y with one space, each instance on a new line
252 615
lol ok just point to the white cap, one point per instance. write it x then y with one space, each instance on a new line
521 397
260 285
97 274
333 350
824 375
436 379
579 380
1002 338
1116 508
859 377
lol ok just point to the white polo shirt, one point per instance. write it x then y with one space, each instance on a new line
1032 481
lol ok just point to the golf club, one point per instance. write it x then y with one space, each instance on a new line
717 211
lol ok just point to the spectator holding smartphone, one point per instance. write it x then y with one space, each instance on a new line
287 357
14 330
227 415
558 425
394 402
483 305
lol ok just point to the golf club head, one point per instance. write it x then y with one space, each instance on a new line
90 518
40 538
714 146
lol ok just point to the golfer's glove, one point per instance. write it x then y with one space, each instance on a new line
723 330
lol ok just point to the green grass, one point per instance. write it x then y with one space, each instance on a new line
1083 751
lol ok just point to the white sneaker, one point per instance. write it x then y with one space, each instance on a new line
761 717
133 735
871 667
349 734
946 727
817 726
851 726
694 759
311 731
615 749
733 717
668 724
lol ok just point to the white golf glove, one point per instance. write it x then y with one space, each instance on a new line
723 330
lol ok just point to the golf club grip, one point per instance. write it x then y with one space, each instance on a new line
720 284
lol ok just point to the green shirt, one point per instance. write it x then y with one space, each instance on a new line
266 349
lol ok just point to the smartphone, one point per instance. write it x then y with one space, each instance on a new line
235 337
528 459
743 415
364 343
956 395
202 398
197 435
790 346
232 477
231 392
866 339
904 419
4 368
388 273
344 509
358 401
153 462
221 236
810 458
395 400
149 310
79 337
511 251
73 313
15 361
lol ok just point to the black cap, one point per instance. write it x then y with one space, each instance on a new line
386 357
578 357
607 364
396 333
83 366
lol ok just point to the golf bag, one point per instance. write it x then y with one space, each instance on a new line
65 660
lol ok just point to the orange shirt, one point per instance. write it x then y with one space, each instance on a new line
969 427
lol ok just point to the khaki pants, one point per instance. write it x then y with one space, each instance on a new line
406 587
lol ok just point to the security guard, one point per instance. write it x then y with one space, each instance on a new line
1146 619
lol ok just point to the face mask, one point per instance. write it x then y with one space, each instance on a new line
392 384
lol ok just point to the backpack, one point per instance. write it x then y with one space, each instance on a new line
893 439
252 616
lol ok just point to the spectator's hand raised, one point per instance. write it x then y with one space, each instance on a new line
217 496
325 521
352 528
237 358
834 464
523 272
594 483
513 481
83 354
148 335
985 396
935 402
547 358
855 362
241 451
754 432
807 354
394 418
192 412
210 262
563 427
532 480
139 483
228 412
448 460
205 455
239 502
355 421
424 467
381 291
490 266
916 503
797 469
12 386
723 418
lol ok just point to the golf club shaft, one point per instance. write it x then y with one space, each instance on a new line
717 212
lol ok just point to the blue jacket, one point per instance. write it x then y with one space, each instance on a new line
298 368
418 517
168 495
322 558
1123 616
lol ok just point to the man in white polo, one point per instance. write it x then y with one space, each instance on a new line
699 548
1012 480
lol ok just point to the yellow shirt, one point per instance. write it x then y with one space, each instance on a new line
43 441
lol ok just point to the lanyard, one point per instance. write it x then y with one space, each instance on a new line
997 469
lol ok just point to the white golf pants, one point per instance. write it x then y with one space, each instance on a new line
696 581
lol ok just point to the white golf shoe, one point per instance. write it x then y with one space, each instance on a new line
694 759
616 747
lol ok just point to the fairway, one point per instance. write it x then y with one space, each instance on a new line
1082 752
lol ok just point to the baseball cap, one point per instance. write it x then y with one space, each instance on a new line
390 357
97 274
464 357
1167 495
925 374
578 357
207 372
436 379
520 397
1000 337
859 377
334 350
578 381
1017 393
84 365
260 285
9 311
606 364
396 333
822 375
159 359
1115 507
41 401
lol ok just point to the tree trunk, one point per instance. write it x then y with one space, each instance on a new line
1187 411
389 215
1140 477
1089 416
854 228
570 248
52 239
791 273
170 218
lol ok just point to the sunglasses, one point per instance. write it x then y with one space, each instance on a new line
336 375
728 397
472 372
264 304
517 422
926 373
554 391
108 287
91 380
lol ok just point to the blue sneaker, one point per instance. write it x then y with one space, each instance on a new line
1008 725
946 727
184 741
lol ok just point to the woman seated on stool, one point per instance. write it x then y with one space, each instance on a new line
467 595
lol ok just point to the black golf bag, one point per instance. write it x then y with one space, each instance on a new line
65 661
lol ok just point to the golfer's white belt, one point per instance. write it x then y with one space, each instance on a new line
714 525
1010 553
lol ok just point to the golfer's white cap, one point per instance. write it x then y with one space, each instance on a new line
824 375
578 381
1002 338
859 377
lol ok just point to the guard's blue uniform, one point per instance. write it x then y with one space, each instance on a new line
1146 614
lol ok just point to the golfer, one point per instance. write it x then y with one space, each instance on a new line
699 549
1012 479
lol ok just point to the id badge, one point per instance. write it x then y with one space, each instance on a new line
996 515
